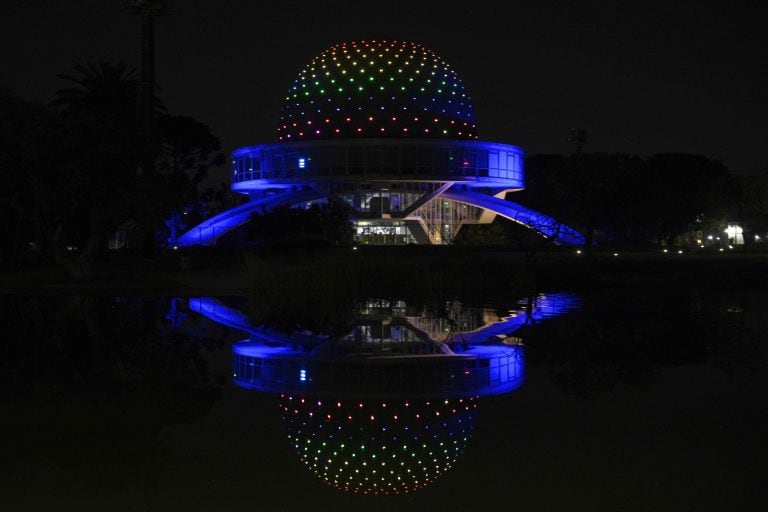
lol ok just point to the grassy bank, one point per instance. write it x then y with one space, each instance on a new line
451 268
391 269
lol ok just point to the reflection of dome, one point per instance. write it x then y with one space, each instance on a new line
378 446
377 88
387 407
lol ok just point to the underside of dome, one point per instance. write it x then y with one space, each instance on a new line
377 88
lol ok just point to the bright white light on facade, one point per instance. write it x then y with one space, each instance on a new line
735 234
303 375
733 230
302 163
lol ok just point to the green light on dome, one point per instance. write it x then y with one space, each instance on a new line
405 97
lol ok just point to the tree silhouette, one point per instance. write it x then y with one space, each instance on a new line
98 85
589 191
100 124
77 169
318 225
619 197
187 151
22 137
678 189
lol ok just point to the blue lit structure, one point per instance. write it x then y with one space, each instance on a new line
387 128
389 407
390 350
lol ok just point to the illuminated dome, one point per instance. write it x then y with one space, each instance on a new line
378 446
377 88
386 128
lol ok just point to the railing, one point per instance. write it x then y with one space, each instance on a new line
470 159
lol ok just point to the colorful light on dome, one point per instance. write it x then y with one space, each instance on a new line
382 77
378 446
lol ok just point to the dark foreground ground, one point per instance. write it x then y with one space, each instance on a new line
649 396
378 268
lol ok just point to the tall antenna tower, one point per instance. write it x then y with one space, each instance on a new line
147 10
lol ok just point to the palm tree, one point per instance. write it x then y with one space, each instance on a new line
103 85
105 144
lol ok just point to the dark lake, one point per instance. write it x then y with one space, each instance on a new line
631 399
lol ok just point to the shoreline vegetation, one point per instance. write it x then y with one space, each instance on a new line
375 269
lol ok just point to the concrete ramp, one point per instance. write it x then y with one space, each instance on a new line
539 222
208 231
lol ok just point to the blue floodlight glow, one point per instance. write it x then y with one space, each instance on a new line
472 362
388 128
209 231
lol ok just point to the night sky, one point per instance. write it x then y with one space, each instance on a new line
641 78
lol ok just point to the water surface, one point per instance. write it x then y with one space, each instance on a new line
609 400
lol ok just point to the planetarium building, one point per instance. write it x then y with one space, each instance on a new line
387 128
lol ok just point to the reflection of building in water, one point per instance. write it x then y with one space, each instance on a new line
385 321
388 406
481 370
385 446
389 350
391 327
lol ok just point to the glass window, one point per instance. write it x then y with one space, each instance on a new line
356 160
493 160
425 160
323 162
373 158
408 160
276 165
338 161
390 160
442 160
482 162
456 162
470 162
511 161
